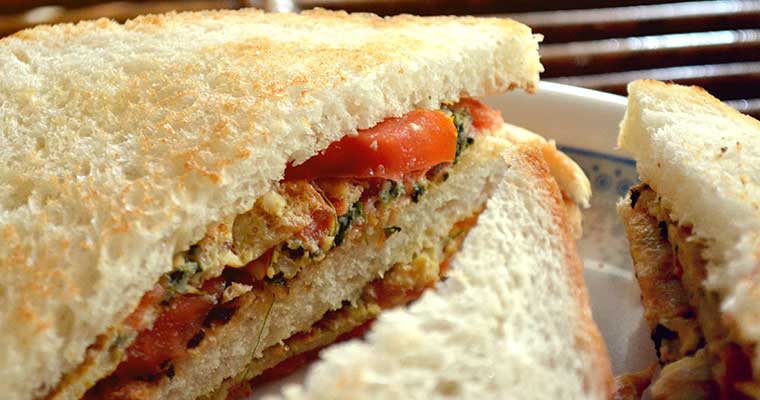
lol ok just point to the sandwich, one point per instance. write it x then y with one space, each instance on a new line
194 201
511 321
693 224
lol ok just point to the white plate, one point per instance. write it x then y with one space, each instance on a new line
585 124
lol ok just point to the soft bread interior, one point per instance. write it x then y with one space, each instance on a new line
341 276
512 321
122 143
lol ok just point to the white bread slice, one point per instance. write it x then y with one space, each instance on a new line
703 159
121 144
511 322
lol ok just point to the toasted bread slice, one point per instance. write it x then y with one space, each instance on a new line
124 144
512 320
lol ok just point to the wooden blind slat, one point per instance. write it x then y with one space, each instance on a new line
594 57
661 12
750 106
725 81
599 23
447 7
119 11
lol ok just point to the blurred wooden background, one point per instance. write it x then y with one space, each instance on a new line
596 44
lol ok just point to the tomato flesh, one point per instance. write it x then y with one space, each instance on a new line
168 337
415 141
322 222
147 303
483 116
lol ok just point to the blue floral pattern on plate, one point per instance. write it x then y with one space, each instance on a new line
610 178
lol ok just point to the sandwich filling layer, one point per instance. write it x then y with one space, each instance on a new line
402 284
255 257
683 316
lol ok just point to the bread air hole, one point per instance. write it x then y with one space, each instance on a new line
84 169
134 172
21 56
40 143
448 388
14 200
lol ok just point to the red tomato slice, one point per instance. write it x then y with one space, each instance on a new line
416 141
483 116
148 301
168 337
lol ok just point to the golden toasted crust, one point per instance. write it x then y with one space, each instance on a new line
598 379
573 183
121 144
692 94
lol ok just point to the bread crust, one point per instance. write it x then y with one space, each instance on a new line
122 143
573 183
598 380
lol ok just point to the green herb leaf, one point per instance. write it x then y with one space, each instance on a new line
391 191
344 222
278 279
460 116
454 234
119 342
390 230
261 329
417 191
179 278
